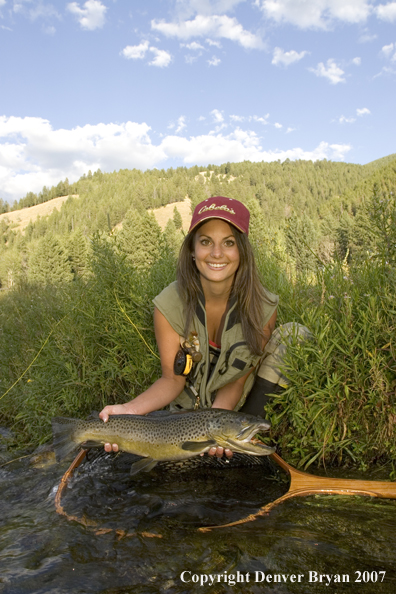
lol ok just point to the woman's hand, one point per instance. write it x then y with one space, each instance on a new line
114 409
219 451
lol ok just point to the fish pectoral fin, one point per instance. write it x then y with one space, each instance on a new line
198 446
146 464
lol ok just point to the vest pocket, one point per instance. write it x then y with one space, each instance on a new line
226 363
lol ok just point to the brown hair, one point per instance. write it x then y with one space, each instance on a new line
247 289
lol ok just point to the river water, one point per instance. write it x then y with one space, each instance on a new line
142 535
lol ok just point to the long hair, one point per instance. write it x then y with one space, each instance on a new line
247 289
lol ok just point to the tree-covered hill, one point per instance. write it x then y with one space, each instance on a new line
315 199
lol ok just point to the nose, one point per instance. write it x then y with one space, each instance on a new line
217 250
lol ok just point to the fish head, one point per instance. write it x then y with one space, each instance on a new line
237 426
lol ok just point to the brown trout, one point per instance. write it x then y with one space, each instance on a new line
163 436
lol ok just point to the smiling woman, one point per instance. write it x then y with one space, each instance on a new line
212 325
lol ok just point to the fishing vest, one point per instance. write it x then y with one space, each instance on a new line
235 358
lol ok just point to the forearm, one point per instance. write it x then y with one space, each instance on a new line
157 396
228 396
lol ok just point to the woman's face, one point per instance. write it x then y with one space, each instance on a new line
216 251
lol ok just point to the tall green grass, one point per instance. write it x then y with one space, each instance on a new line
98 347
340 406
101 347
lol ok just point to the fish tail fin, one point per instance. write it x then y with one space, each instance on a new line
63 433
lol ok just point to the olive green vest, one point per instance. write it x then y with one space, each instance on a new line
235 358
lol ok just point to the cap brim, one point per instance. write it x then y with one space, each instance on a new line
216 217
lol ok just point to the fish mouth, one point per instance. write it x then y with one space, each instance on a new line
248 432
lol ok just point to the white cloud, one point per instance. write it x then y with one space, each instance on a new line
187 8
162 58
33 154
357 61
277 125
290 130
366 36
44 11
344 120
194 46
190 59
181 124
260 119
91 16
217 116
34 10
386 12
286 58
214 61
50 30
135 52
389 51
332 72
254 118
214 26
240 146
214 43
363 111
315 13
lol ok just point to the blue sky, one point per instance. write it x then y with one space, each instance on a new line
114 84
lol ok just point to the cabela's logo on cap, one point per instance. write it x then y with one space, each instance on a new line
215 207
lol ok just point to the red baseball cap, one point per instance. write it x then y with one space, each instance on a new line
220 207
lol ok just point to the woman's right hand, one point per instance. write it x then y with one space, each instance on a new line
114 409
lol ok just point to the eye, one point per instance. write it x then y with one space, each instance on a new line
229 243
205 242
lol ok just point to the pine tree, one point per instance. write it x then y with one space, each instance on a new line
141 239
49 263
173 237
78 253
177 218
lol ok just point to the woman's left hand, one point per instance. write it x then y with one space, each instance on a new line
219 451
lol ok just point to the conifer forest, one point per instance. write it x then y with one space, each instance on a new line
76 327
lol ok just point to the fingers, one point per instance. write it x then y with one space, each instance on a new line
111 447
219 451
104 414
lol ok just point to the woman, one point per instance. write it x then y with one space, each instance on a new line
220 308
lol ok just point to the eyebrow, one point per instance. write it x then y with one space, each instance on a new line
209 237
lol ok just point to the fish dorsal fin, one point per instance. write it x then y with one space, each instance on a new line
145 465
198 446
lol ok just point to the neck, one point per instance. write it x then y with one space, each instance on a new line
216 292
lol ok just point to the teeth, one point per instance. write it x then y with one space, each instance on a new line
216 265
